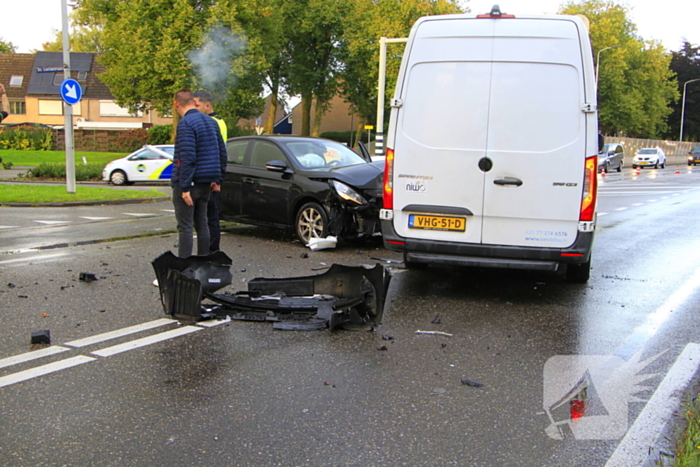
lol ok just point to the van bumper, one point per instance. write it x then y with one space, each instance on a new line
494 256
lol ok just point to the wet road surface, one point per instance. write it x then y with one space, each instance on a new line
242 394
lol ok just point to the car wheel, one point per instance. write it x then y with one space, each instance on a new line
634 166
311 222
578 273
118 177
619 167
663 165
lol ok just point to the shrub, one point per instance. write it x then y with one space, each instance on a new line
26 138
129 140
160 134
83 173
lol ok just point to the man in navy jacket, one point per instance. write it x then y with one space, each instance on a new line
199 166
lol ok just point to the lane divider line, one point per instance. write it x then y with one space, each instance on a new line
120 332
44 370
29 356
109 351
646 431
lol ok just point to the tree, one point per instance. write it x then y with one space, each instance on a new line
371 20
82 39
7 47
686 64
636 85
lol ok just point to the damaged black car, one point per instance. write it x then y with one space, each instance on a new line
318 187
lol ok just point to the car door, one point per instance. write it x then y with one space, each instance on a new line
148 164
231 194
266 193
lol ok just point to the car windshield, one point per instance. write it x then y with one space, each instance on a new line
607 148
322 154
647 151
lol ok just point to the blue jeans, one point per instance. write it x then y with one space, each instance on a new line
191 218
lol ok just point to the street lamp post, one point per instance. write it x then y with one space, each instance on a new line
597 63
683 105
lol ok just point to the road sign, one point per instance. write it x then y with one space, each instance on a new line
71 91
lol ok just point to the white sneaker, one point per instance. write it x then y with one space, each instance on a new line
155 283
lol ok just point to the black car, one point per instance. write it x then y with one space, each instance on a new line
316 186
694 156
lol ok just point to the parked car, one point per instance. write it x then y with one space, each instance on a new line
611 157
694 156
150 163
649 157
316 186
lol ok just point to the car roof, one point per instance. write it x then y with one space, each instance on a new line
280 138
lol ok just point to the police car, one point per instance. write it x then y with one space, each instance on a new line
150 163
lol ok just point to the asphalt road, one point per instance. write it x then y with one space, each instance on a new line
243 394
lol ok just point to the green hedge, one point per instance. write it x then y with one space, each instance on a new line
160 134
24 138
83 173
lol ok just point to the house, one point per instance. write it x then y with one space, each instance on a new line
33 84
338 118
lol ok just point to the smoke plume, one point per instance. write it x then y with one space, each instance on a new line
215 61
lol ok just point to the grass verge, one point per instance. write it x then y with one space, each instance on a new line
57 194
34 158
688 448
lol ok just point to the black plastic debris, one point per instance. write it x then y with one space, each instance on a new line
386 337
437 320
342 296
87 277
472 384
382 348
41 337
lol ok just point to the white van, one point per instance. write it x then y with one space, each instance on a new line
492 144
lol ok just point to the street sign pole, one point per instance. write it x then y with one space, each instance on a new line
67 108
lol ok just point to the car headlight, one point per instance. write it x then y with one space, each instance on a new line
347 193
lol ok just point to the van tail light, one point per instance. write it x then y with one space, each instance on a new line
590 190
388 197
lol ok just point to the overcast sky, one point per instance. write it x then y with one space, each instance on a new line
30 23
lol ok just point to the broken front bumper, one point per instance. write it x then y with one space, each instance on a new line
343 296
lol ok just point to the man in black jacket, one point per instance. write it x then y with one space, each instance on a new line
198 168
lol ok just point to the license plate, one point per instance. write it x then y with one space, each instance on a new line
417 221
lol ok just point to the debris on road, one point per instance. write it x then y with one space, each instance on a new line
41 337
87 277
472 384
387 337
435 333
343 296
322 243
437 320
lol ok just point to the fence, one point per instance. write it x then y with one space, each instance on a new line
102 140
676 152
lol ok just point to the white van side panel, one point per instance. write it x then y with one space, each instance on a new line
508 90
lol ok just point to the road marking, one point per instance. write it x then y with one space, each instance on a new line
120 332
43 370
109 351
633 450
621 209
29 356
637 204
96 218
168 210
602 214
8 226
210 323
138 214
52 222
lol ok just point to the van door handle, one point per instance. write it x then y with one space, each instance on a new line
508 181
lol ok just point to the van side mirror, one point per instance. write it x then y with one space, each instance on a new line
601 142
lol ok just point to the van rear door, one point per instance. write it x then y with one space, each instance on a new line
491 129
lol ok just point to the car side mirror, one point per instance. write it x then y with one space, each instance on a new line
277 166
601 142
